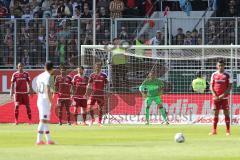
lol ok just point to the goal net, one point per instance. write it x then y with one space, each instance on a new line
177 66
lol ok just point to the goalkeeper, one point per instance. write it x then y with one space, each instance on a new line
152 89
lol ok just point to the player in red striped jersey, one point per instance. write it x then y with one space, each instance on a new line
80 82
63 86
96 83
21 90
221 84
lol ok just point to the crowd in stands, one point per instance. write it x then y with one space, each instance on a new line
62 30
189 38
76 8
64 20
228 8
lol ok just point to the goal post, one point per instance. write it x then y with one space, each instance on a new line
176 66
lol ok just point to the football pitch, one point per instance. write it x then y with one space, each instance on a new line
119 142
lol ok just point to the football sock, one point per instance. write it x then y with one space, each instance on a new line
76 115
92 114
84 116
60 114
16 112
147 114
163 113
47 133
68 114
215 122
227 121
100 112
29 113
40 131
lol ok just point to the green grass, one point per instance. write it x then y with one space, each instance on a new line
119 142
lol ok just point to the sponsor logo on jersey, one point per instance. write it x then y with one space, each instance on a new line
98 80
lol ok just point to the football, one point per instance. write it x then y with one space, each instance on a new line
179 138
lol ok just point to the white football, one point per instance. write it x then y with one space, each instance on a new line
179 138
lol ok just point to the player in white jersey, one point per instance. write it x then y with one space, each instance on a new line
44 103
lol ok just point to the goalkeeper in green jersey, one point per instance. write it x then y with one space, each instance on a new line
152 89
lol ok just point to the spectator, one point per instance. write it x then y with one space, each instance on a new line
211 31
86 13
61 50
230 31
232 11
76 5
194 36
34 22
52 39
233 8
54 9
24 41
34 31
105 23
68 3
87 3
8 41
103 37
3 11
88 38
17 10
35 6
179 38
103 13
77 13
85 23
63 10
116 8
157 40
25 58
46 5
63 41
223 33
188 38
106 37
199 41
27 15
64 33
72 60
123 34
72 50
98 22
41 36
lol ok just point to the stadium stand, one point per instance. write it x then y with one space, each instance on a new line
30 28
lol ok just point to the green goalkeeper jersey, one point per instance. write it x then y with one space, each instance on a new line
152 88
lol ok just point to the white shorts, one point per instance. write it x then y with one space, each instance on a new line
44 109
